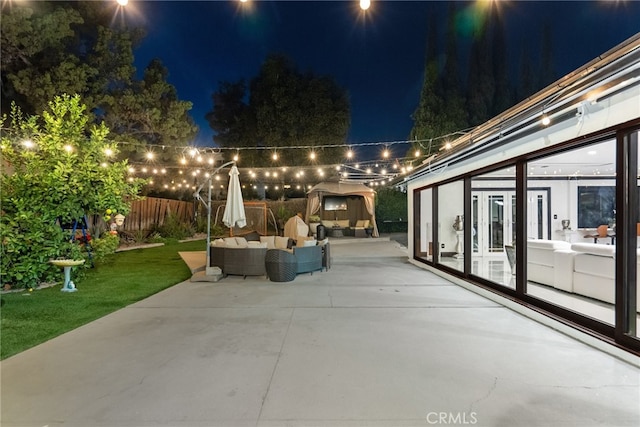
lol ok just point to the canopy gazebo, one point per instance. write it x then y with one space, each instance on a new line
340 201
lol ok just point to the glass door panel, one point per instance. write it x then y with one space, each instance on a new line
495 230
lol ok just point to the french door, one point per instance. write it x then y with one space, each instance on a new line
538 214
494 220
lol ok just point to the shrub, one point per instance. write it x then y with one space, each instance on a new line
106 245
174 228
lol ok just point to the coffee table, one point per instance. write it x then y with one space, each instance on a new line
335 232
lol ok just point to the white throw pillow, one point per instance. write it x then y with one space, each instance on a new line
218 242
257 245
242 242
269 240
230 242
310 242
281 242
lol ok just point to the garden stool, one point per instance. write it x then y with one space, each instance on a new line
281 265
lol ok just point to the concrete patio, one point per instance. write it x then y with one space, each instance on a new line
375 341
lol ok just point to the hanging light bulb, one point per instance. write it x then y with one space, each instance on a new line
312 155
545 120
350 154
365 4
274 156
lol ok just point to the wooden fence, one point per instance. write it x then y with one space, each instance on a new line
151 212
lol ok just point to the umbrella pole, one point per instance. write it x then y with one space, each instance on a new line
209 227
197 195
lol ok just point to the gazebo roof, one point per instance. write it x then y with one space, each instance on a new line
343 188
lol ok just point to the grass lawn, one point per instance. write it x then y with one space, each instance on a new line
29 319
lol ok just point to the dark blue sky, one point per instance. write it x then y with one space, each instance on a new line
378 58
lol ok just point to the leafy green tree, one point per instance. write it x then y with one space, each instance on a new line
52 48
53 173
503 96
230 117
149 110
481 83
426 117
526 79
285 108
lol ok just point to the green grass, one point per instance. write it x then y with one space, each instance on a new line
28 319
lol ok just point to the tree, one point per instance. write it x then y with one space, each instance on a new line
149 111
526 84
426 118
60 175
230 117
481 84
503 96
285 108
51 48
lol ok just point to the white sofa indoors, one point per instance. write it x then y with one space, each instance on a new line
586 269
540 259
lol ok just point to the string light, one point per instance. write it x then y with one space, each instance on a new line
545 120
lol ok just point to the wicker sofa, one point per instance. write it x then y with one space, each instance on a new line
244 255
239 261
284 265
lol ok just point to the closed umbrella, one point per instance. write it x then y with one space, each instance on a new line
234 215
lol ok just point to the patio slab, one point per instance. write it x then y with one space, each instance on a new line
375 341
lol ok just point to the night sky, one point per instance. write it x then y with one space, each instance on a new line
378 56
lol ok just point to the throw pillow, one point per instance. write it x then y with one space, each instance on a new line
242 242
218 242
230 242
301 239
281 242
310 242
269 240
254 236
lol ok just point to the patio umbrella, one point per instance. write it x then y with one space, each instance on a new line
234 215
